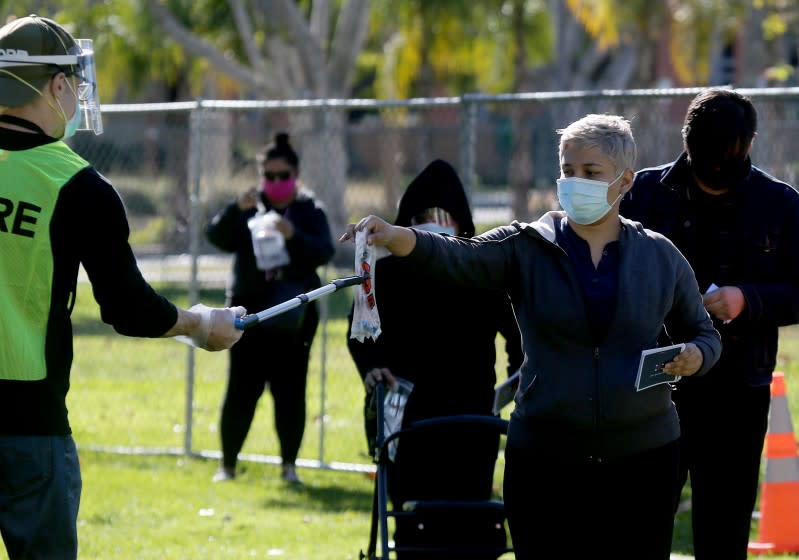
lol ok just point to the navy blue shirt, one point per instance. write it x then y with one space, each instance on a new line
599 284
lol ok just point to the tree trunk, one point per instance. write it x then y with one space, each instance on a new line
520 170
324 160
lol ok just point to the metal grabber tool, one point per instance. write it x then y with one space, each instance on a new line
301 299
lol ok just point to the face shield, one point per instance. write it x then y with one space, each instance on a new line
88 96
78 62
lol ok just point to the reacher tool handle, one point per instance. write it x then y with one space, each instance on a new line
301 299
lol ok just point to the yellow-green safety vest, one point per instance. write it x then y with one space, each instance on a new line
30 181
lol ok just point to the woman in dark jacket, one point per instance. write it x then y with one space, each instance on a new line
586 452
452 369
278 350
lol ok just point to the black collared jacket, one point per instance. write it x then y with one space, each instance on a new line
748 237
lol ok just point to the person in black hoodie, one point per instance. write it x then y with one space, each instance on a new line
278 350
442 338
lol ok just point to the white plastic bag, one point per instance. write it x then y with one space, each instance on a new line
267 242
365 318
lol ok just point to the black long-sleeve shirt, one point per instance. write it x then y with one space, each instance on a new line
89 227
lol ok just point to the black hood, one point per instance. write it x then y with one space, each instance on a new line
437 186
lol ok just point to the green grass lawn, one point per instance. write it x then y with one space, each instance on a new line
167 508
132 393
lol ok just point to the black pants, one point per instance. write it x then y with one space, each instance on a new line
723 428
620 509
263 355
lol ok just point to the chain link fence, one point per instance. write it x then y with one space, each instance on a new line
177 164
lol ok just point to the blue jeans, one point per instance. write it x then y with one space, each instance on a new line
40 489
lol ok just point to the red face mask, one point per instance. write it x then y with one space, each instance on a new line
279 191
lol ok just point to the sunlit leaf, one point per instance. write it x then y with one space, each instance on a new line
774 25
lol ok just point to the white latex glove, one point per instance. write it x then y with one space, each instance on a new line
216 330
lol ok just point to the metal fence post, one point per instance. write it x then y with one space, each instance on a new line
194 180
468 144
323 308
323 312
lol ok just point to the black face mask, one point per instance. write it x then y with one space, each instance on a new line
729 175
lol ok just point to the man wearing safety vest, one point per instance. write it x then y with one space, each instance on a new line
56 213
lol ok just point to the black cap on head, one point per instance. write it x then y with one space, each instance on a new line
30 36
437 186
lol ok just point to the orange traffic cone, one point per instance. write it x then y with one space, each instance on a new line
779 493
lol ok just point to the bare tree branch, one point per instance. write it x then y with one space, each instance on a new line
566 29
309 49
320 21
347 44
287 74
244 26
622 66
193 44
274 50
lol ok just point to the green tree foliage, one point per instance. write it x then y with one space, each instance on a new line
695 28
780 22
449 46
413 47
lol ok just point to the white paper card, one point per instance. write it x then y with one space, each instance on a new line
650 369
505 391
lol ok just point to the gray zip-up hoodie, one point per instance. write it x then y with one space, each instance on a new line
576 398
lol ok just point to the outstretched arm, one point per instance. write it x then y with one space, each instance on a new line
399 240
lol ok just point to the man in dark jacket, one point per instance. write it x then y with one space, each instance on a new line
442 338
739 229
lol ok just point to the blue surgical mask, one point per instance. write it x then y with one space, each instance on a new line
585 201
71 125
435 228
